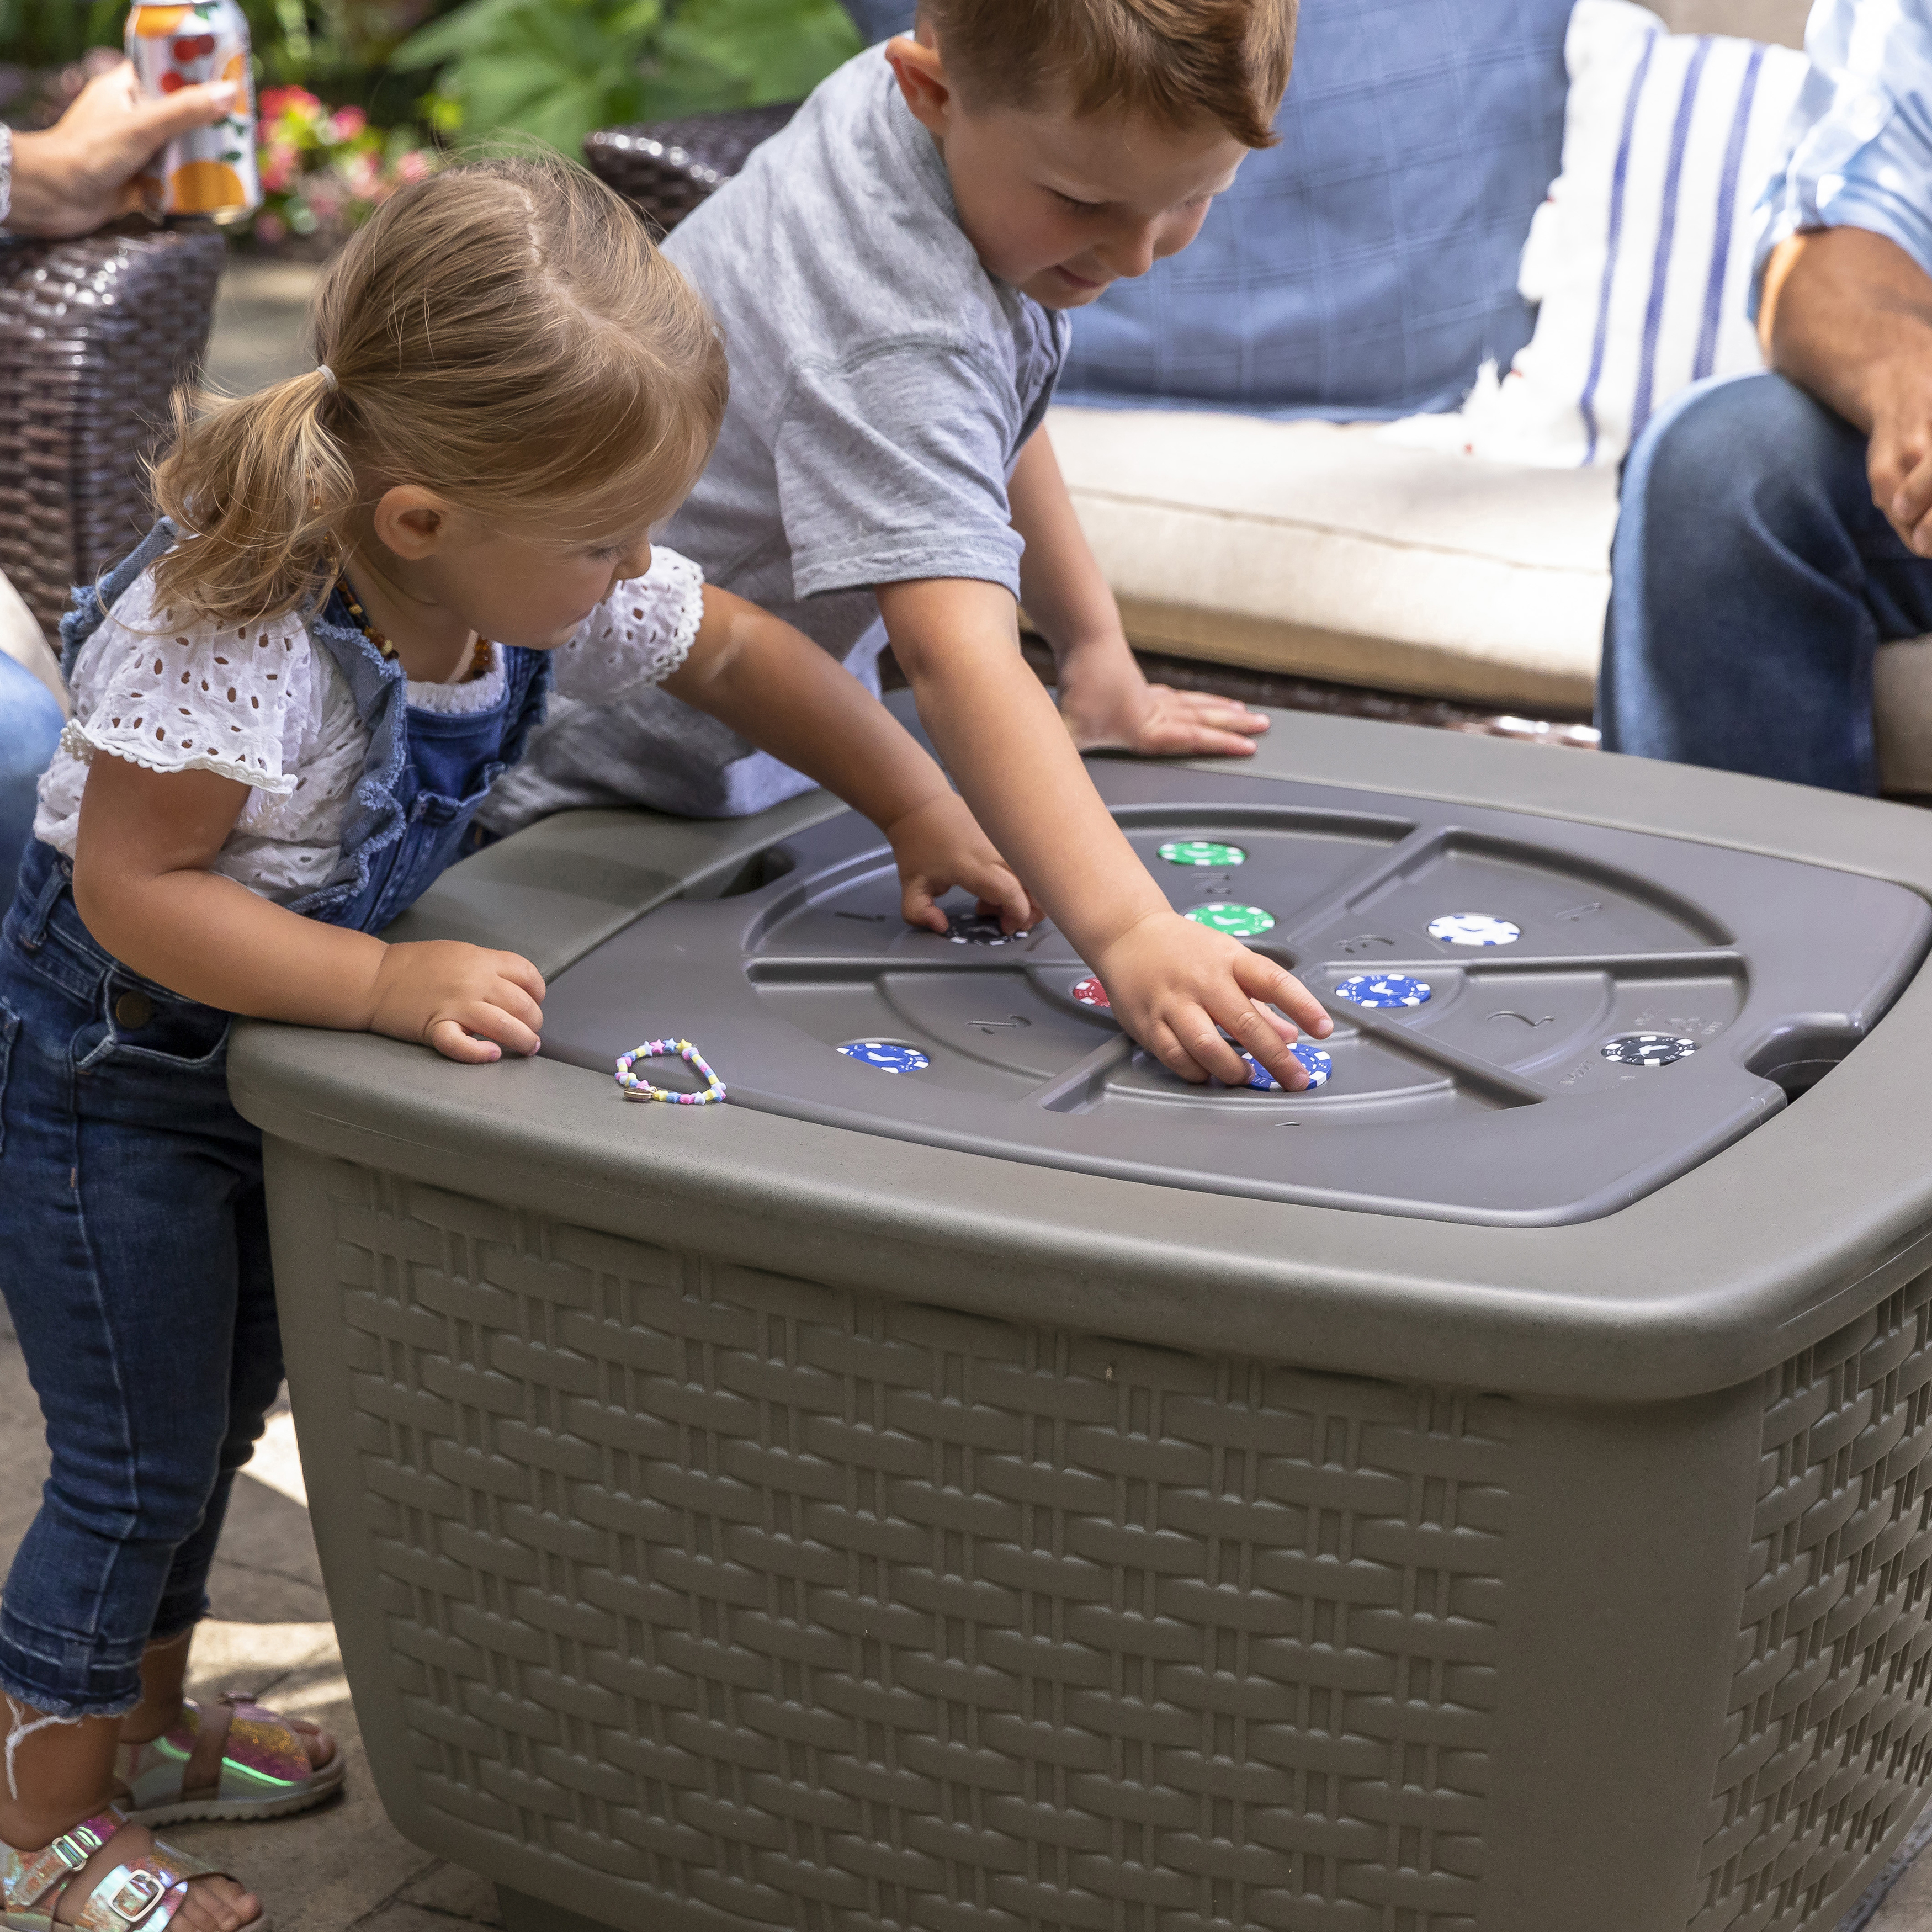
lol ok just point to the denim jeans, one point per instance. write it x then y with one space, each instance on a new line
30 723
1752 579
134 1263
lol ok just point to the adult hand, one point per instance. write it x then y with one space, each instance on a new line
1898 459
82 171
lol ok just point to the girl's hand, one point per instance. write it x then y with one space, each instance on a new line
939 845
1173 985
468 1002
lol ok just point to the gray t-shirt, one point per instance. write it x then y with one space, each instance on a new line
882 386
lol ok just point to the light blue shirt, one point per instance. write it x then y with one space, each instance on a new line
1859 145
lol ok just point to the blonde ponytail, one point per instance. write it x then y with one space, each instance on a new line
259 487
504 333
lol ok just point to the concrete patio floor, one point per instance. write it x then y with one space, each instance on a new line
345 1868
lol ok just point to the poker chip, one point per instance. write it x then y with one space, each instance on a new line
1244 922
887 1056
1201 852
978 928
1473 929
1318 1064
1090 992
1382 989
1648 1049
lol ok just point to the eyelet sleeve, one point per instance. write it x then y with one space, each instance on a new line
191 698
640 634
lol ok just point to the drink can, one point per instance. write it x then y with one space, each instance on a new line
207 171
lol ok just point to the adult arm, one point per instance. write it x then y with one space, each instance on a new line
80 172
1105 698
1847 314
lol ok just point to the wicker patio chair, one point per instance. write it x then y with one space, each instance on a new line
666 168
95 335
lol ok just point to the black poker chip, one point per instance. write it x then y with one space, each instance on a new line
979 928
1648 1049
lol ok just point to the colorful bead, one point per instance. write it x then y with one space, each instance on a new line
637 1089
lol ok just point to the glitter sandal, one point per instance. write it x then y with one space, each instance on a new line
228 1760
142 1894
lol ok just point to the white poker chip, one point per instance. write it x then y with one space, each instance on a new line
1382 989
1648 1049
1473 929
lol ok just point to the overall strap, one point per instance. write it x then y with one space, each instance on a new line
92 602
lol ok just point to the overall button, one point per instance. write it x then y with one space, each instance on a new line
133 1011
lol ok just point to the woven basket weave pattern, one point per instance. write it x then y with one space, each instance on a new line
781 1602
95 335
667 167
1830 1736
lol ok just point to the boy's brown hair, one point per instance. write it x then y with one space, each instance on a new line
1182 61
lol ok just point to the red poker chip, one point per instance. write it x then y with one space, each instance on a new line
1090 992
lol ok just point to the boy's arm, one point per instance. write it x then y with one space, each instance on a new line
771 682
1104 698
1171 983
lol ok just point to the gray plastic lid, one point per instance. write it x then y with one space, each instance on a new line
1538 1022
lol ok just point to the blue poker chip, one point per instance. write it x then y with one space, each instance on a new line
1318 1064
1382 989
1473 929
886 1056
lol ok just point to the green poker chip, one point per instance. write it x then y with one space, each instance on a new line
1201 852
1244 922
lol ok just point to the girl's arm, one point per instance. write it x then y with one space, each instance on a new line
756 673
142 885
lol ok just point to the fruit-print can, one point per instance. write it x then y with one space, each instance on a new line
207 171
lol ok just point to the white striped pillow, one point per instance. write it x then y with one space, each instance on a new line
1640 259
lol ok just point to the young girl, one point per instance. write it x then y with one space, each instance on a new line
288 703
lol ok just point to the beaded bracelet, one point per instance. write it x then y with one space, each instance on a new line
637 1089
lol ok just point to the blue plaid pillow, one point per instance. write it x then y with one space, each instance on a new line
1367 265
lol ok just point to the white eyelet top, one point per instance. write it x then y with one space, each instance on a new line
261 704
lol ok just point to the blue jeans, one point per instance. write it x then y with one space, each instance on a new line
134 1263
1752 579
30 722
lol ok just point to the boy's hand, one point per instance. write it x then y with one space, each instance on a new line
939 845
1173 985
468 1002
1108 705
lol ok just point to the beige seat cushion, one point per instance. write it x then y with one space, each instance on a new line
1321 549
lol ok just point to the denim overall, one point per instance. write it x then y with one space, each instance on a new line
133 1237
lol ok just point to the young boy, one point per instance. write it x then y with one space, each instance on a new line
892 273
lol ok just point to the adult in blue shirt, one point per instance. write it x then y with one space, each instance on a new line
1778 529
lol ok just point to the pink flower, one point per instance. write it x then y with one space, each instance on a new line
297 101
271 228
346 123
364 175
415 166
280 163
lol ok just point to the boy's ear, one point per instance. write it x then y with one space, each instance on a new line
921 73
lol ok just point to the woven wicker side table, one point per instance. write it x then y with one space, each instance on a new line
94 336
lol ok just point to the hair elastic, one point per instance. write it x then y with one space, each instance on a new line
637 1089
328 375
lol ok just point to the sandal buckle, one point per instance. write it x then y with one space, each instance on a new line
73 1848
137 1898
